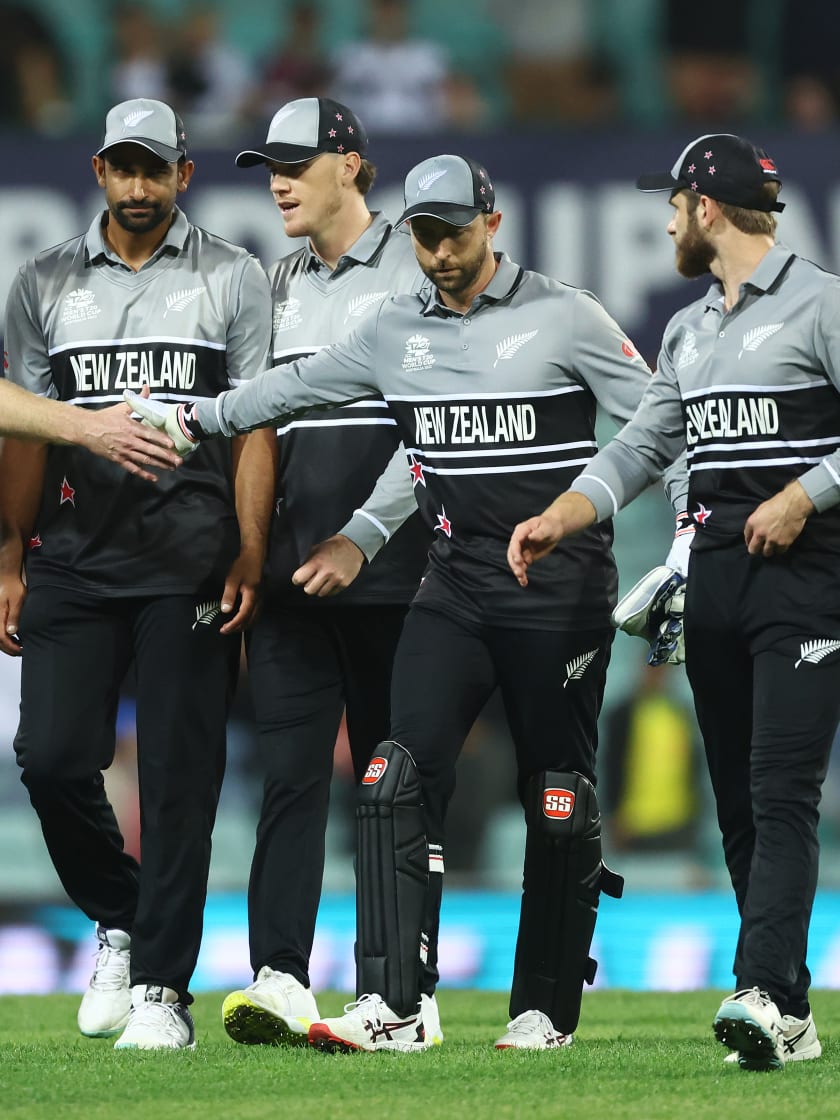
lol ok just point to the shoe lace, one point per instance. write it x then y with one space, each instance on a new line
161 1017
367 1007
111 969
530 1021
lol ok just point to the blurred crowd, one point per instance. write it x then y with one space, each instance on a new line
420 66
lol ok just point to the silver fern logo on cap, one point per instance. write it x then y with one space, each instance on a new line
424 183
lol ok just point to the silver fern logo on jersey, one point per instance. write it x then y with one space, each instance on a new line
689 353
287 315
205 613
418 354
363 303
133 119
754 338
814 651
178 301
578 666
79 306
512 345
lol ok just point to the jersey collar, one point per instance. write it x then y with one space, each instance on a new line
504 283
363 249
97 252
770 268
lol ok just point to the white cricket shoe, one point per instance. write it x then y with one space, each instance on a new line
431 1020
275 1009
749 1023
157 1021
799 1039
369 1024
106 1003
532 1030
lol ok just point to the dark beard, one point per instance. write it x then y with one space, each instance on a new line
152 216
463 278
694 254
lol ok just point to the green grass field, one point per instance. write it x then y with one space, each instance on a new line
645 1056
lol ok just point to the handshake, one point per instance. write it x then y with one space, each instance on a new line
169 418
653 610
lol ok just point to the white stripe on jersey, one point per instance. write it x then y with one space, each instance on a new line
751 445
298 351
480 395
348 422
121 343
735 464
768 390
374 521
117 398
423 452
521 468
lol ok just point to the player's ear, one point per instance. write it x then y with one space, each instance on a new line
352 161
185 171
98 164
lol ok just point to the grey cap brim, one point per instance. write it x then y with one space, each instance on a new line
658 181
276 153
162 151
448 212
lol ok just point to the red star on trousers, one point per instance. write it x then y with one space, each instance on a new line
702 515
415 469
444 524
67 493
35 540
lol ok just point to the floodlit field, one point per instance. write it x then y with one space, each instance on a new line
637 1055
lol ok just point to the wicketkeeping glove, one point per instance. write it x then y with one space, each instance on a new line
653 610
167 418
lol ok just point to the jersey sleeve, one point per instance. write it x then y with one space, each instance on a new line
249 323
652 440
390 504
337 374
606 360
619 377
27 361
822 482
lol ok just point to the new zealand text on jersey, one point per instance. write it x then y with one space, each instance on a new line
132 369
719 417
471 423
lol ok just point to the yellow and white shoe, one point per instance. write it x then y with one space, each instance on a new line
275 1010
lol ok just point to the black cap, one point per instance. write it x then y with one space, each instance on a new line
306 128
452 188
725 167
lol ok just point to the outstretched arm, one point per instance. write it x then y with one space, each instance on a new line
108 432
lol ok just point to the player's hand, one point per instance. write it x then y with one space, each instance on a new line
774 525
536 537
331 566
168 418
12 595
241 595
112 434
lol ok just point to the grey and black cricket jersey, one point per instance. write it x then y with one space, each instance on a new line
81 326
753 393
496 409
329 463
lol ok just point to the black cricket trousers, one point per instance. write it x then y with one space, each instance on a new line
762 640
76 651
306 664
552 686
